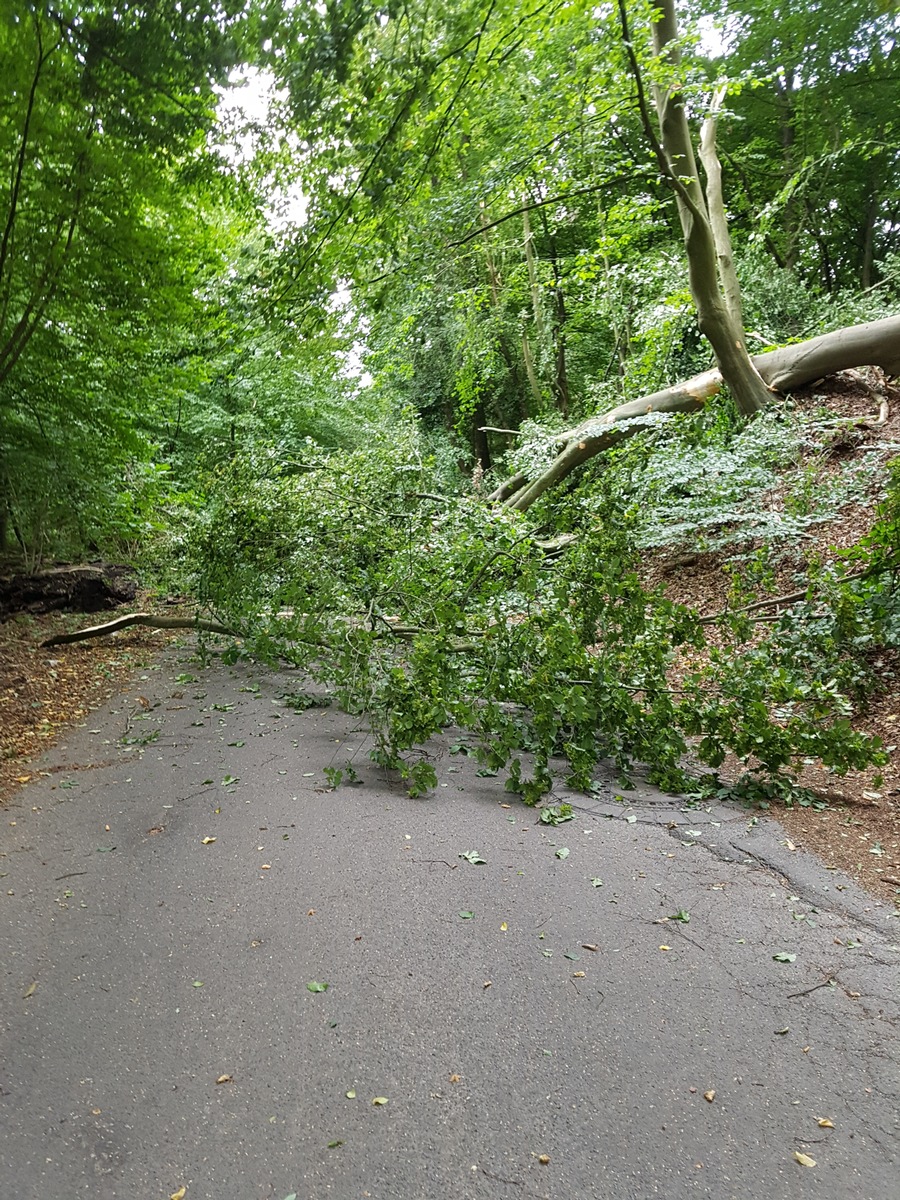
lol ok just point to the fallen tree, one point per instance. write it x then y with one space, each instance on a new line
876 343
148 619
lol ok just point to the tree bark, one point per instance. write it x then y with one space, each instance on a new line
715 199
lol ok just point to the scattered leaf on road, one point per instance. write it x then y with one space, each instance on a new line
503 927
473 857
30 990
710 1095
197 983
573 957
595 882
556 814
380 1101
314 986
782 1032
825 1123
208 841
465 915
179 1195
578 975
543 1159
665 947
782 956
804 1160
562 852
351 1095
681 915
589 946
334 1145
225 1079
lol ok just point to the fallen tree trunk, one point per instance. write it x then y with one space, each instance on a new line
876 343
154 622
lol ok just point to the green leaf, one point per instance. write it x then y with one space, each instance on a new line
334 1145
314 986
562 852
473 857
783 956
596 882
197 983
229 780
465 915
681 915
556 814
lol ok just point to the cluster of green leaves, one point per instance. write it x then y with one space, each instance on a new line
429 612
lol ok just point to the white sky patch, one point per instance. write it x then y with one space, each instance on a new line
246 113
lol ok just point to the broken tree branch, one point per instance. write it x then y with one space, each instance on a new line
154 622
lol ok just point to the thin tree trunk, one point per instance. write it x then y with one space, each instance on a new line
715 201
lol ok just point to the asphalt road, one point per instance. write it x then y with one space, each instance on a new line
168 900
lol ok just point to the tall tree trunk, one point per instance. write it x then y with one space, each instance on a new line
560 316
675 154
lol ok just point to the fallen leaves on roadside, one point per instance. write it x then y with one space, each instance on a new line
825 1123
783 956
207 841
562 852
380 1101
473 857
804 1160
197 983
543 1159
315 986
351 1095
595 882
465 915
179 1195
710 1095
30 990
665 947
455 1078
225 1079
334 1145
